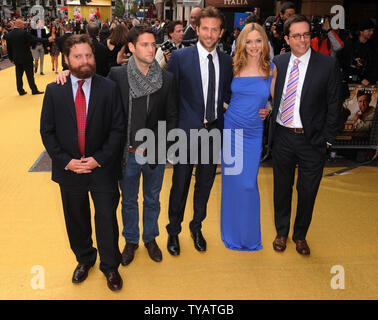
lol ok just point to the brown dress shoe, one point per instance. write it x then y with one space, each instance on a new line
114 280
81 272
128 253
279 243
302 247
154 251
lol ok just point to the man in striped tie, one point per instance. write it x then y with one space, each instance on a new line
305 115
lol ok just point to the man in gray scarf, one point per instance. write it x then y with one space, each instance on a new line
148 96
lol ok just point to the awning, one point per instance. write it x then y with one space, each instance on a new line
234 3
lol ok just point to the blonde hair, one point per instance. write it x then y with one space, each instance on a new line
240 59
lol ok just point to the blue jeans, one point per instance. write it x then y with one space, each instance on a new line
152 182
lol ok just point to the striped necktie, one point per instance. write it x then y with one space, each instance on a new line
287 114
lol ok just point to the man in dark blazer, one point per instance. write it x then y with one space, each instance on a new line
307 102
101 52
149 96
83 130
199 108
60 42
19 42
190 34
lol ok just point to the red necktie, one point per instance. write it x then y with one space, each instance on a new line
81 116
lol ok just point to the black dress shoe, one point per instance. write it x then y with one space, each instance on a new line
81 272
199 241
173 245
128 253
37 92
114 280
154 251
22 93
42 74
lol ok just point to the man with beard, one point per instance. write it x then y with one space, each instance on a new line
83 130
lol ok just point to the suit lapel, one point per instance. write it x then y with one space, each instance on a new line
124 89
198 78
309 75
68 98
220 80
92 98
281 77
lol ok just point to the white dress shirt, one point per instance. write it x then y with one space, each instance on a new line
204 65
302 66
86 88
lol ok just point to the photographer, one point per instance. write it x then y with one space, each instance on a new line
325 40
359 57
274 28
175 34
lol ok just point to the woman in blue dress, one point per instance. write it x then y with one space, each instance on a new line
254 78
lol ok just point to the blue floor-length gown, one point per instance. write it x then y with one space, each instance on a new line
240 207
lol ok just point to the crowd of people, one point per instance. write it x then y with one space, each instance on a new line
121 79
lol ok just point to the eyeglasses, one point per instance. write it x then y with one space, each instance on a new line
298 36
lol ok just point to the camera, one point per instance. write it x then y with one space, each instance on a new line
279 26
357 68
316 26
168 46
189 42
277 22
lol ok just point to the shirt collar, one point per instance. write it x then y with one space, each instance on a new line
303 59
203 53
74 80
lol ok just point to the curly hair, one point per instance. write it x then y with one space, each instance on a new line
240 59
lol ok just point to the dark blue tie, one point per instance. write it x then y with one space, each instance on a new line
210 103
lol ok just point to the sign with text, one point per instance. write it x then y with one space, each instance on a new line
359 114
234 3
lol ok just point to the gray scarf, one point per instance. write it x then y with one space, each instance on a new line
140 86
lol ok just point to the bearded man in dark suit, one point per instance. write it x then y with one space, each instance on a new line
83 130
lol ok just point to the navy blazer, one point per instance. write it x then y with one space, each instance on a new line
185 66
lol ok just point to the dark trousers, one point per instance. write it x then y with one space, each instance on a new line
182 174
291 150
77 215
28 69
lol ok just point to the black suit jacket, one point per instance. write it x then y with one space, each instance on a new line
190 34
163 105
60 44
19 42
101 57
104 136
320 104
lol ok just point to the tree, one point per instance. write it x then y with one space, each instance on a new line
119 9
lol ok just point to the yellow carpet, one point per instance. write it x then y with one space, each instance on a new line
32 233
